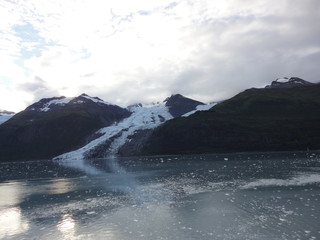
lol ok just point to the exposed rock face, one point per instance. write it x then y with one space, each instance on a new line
135 143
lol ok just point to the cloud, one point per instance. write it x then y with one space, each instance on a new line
37 89
132 51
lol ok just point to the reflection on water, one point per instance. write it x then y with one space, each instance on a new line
11 193
67 227
60 186
11 222
178 197
81 165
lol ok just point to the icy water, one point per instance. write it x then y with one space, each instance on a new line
235 196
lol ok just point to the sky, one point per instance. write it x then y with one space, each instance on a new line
127 51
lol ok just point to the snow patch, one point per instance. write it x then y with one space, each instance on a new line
79 102
205 107
282 80
61 101
96 100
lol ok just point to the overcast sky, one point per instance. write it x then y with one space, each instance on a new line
126 51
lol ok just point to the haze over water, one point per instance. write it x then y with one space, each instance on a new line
227 196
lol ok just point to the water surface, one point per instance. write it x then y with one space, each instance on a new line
227 196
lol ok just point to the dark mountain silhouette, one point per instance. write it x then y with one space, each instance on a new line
268 119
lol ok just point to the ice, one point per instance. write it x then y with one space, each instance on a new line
148 117
299 180
205 107
144 116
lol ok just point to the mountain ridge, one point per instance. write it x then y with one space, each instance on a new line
58 125
266 119
281 116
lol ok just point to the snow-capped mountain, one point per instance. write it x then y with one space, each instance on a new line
127 136
56 125
85 127
57 103
5 116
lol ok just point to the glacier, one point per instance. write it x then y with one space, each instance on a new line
143 117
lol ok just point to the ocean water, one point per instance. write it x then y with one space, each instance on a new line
225 196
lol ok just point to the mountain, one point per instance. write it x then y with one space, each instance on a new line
53 126
285 115
85 127
128 136
267 119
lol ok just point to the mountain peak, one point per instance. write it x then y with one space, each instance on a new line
56 103
174 97
179 105
289 83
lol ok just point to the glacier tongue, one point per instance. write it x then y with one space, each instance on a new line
115 136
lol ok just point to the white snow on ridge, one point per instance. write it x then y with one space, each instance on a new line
141 118
205 107
282 80
62 101
5 117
